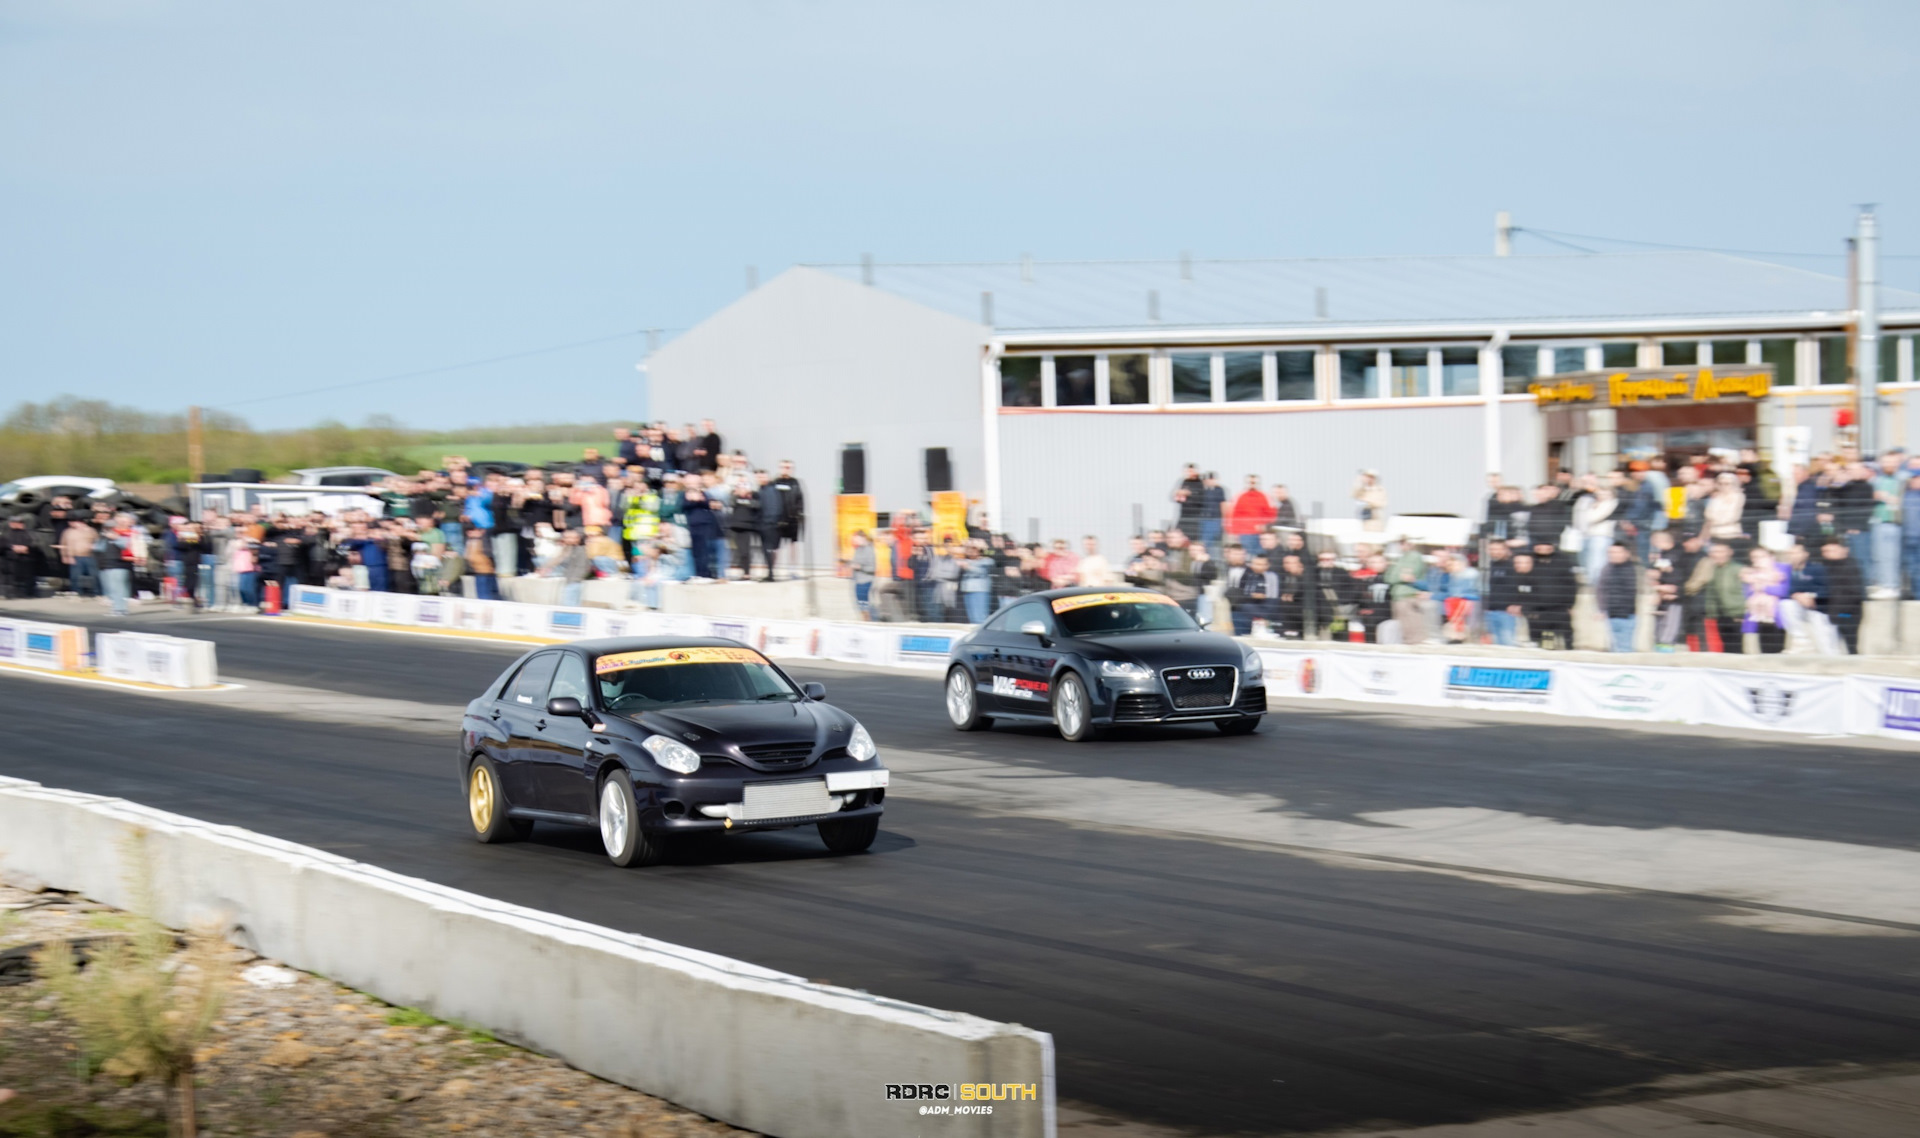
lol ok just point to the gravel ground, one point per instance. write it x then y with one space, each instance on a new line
297 1056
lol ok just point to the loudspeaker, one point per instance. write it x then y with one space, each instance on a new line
939 471
853 470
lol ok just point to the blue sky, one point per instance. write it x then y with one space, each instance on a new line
219 203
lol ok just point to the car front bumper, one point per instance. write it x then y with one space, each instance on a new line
720 803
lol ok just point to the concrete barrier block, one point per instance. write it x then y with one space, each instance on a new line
733 1040
1880 628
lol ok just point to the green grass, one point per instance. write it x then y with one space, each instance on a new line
427 456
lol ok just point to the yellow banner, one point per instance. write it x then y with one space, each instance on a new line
1068 604
662 657
853 513
949 516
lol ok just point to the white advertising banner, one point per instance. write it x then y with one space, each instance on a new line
1499 685
922 649
1293 673
1654 694
394 608
730 628
566 624
1378 677
1775 701
170 661
1883 705
308 600
686 624
789 638
436 612
347 605
857 643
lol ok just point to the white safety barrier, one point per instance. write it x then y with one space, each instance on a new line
36 644
170 661
1657 693
745 1044
916 646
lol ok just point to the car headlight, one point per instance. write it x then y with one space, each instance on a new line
860 744
672 755
1121 670
1250 667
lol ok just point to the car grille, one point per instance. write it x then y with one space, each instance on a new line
1253 701
1139 705
1207 690
768 801
778 756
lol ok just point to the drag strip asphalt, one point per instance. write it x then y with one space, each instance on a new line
1192 980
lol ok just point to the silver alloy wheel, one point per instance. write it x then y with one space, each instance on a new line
959 696
1067 710
613 818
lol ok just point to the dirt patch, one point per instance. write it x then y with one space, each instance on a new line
298 1056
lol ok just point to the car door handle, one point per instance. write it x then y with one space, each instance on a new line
540 726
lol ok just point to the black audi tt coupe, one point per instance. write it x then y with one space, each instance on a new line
1084 659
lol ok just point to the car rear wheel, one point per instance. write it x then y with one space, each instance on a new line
1245 726
1072 710
620 833
850 835
487 806
963 702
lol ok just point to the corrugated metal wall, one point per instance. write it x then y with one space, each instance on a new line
1523 444
1082 473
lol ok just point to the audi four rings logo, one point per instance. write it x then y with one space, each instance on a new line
1199 673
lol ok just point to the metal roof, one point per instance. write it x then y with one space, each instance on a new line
1640 290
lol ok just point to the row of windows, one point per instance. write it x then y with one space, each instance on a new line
1289 375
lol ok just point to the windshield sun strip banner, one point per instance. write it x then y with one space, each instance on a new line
666 657
1068 604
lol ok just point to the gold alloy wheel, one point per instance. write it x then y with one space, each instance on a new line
480 798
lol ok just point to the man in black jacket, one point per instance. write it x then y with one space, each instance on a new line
1550 516
1256 598
1554 589
787 503
1846 592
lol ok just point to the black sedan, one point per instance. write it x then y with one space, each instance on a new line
648 737
1084 659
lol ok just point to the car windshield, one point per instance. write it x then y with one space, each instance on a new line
1100 614
672 677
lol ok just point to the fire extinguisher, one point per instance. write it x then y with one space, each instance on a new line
271 605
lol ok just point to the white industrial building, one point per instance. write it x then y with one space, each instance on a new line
1065 397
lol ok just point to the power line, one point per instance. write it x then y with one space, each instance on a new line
443 368
1554 235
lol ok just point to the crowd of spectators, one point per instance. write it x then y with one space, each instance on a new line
1687 551
664 504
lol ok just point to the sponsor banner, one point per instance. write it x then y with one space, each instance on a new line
922 649
436 612
1773 701
1292 673
39 645
1068 604
117 655
789 638
309 600
1497 684
513 619
1383 678
741 629
481 616
1883 705
170 661
1655 695
684 624
604 623
10 641
667 657
343 605
857 644
566 624
394 608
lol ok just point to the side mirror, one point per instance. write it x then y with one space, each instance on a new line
814 690
565 706
1035 628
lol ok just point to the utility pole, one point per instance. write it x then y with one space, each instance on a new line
196 453
1866 355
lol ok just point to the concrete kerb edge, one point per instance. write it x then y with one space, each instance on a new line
809 1042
